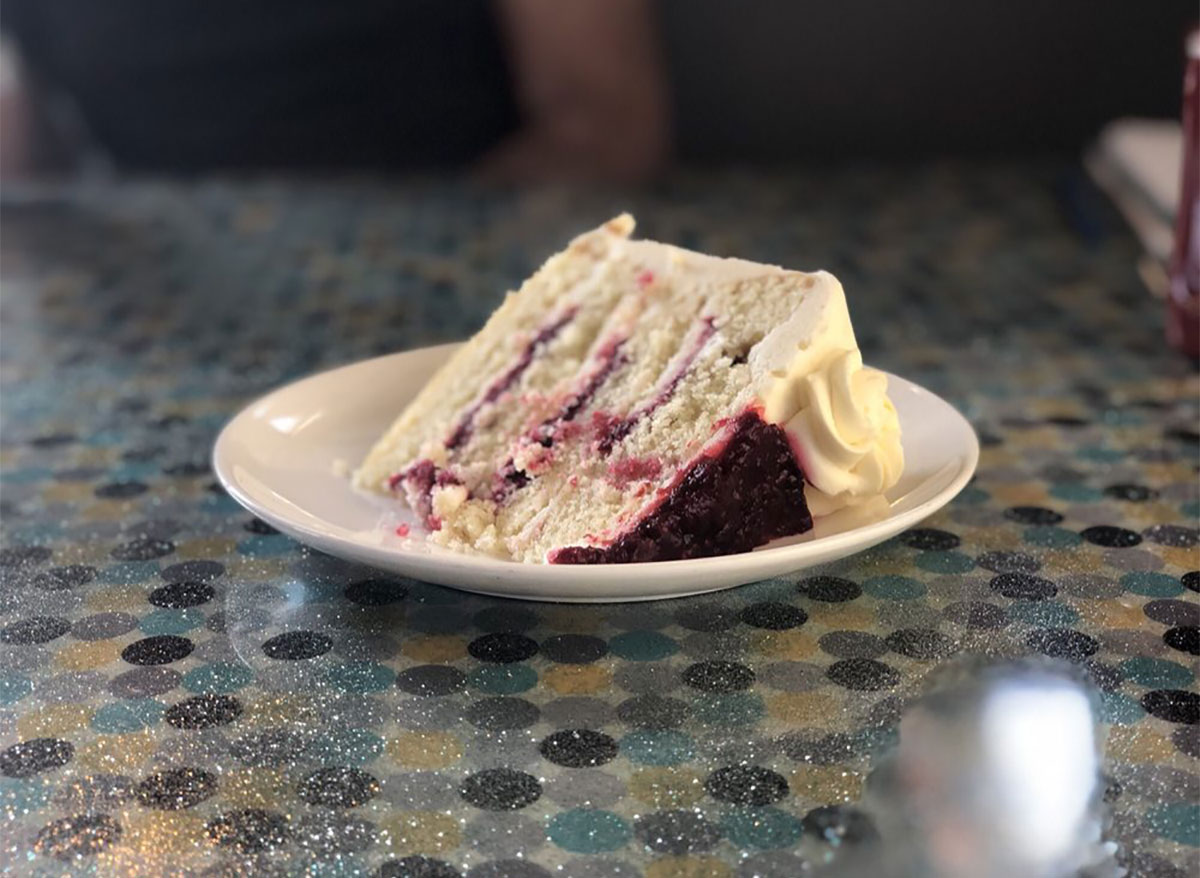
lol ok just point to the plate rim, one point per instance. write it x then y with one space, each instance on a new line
433 567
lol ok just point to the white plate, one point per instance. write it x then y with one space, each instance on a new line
280 458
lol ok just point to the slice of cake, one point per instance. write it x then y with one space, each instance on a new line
639 402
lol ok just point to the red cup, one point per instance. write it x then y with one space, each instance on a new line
1183 300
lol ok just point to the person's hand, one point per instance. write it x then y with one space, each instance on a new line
589 78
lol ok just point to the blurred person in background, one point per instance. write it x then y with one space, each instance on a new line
601 89
517 89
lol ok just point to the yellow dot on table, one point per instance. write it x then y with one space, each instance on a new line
271 710
791 644
809 708
1019 494
435 648
150 833
572 619
687 867
420 832
106 510
256 788
115 754
424 749
577 679
88 655
826 784
667 788
853 615
119 597
55 721
67 492
1073 561
1138 743
1188 559
1116 613
206 548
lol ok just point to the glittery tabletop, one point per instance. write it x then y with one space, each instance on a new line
187 692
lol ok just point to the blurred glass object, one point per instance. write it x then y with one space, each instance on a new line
1183 303
997 773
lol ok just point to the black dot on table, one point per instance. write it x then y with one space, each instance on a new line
35 629
1023 586
1110 536
502 713
431 680
863 674
920 643
180 595
204 711
503 647
144 682
773 616
269 748
1183 638
851 644
1173 705
186 469
339 787
746 785
574 649
505 619
24 556
1130 493
976 614
831 589
1187 740
376 592
838 825
1008 562
578 748
143 549
1172 612
500 789
297 645
27 758
249 830
120 490
416 866
1068 421
161 649
260 527
82 835
1032 515
52 440
1176 535
930 539
193 571
63 578
1106 677
1184 435
1064 643
676 832
653 711
176 789
1191 580
718 676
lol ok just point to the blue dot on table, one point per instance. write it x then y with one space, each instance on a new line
1155 673
972 496
1101 454
761 828
1191 509
642 646
503 679
732 709
14 687
218 677
122 717
1075 492
1179 822
944 562
127 572
360 677
347 746
588 831
171 621
893 587
1151 584
265 546
657 747
1051 537
21 797
1047 614
1119 709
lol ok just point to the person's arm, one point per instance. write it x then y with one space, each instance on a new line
588 76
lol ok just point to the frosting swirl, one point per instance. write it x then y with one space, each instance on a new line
846 432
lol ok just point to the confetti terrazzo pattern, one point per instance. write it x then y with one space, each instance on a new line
185 692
